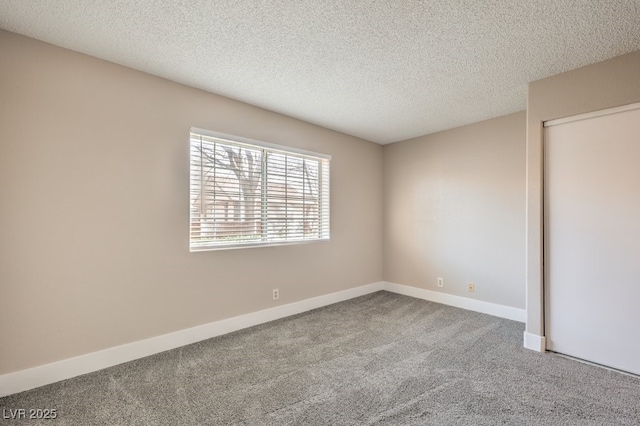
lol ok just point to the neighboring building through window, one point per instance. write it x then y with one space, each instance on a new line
250 193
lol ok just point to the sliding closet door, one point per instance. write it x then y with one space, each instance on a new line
592 238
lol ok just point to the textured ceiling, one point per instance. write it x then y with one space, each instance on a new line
381 70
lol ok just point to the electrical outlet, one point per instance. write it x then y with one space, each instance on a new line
440 282
470 287
276 294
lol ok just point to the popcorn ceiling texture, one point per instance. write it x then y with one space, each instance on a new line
380 70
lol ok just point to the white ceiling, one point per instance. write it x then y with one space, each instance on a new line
381 70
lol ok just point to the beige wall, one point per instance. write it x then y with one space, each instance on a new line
603 85
94 209
454 208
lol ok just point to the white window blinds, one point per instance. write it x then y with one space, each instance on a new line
248 193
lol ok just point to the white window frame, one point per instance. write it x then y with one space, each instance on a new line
265 229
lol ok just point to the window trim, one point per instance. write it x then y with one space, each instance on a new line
252 143
240 140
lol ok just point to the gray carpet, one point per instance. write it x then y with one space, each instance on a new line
377 359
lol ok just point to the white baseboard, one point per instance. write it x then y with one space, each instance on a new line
494 309
535 342
50 373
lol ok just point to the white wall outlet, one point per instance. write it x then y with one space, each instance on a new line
440 282
470 287
276 294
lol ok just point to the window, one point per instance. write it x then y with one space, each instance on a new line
250 193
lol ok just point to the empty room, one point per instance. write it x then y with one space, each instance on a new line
319 212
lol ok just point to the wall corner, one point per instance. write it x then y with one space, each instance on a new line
535 342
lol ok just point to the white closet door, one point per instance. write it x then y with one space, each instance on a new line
592 238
